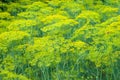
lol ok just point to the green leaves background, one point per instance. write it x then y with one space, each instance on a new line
59 40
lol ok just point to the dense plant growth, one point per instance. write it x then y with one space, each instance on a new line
59 39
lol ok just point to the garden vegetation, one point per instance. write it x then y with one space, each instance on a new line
59 39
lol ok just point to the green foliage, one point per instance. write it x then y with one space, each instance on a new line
36 6
5 16
12 37
14 8
7 1
10 75
89 16
59 40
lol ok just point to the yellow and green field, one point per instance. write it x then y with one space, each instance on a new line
59 39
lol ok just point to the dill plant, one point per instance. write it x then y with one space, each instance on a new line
59 40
